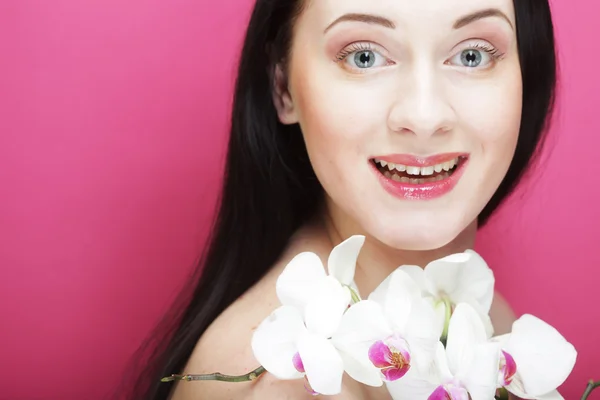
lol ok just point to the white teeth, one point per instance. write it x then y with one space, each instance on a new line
396 178
424 171
427 171
413 170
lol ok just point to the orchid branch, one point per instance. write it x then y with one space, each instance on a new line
590 388
249 377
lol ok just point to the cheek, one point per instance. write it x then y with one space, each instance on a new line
338 120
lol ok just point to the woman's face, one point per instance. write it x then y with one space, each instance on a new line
410 111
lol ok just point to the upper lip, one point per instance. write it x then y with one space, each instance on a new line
418 161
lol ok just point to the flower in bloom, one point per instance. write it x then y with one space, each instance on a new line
466 369
294 341
457 278
384 337
535 360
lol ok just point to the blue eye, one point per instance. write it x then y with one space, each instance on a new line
360 57
471 58
478 56
364 59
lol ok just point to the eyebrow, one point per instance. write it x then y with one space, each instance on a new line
378 20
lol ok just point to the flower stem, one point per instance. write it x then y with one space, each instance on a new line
590 388
448 314
355 297
251 376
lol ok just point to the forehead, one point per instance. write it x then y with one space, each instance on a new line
425 16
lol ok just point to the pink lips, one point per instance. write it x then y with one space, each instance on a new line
421 191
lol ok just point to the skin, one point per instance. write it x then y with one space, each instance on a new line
417 99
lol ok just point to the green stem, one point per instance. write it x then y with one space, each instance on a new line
251 376
355 297
448 314
590 388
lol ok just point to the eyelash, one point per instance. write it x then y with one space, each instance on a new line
492 51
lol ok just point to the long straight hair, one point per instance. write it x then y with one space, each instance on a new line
270 189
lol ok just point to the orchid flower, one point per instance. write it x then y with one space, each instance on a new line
297 284
457 278
294 341
382 338
535 360
466 369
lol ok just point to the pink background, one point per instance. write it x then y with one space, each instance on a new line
113 121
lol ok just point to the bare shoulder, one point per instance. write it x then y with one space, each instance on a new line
502 315
225 346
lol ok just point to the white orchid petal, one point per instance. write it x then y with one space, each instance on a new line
342 259
481 280
323 364
411 386
543 356
442 368
462 276
422 333
274 342
464 332
553 395
296 284
325 310
481 376
361 326
362 372
396 294
483 315
417 274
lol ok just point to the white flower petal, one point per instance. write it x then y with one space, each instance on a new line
342 259
274 342
361 326
422 333
417 274
483 315
543 356
462 276
553 395
367 374
481 377
325 310
412 386
296 284
396 294
323 364
464 332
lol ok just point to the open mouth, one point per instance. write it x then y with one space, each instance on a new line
418 175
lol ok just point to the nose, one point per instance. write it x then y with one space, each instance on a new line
422 106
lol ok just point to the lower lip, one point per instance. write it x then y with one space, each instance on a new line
422 191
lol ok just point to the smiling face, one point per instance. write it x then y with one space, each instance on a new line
410 111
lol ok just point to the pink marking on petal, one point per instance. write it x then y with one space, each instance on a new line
449 391
298 363
380 354
508 368
308 388
393 374
439 393
391 356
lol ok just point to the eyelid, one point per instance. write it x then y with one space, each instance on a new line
360 46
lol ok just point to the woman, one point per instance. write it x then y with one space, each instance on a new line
407 122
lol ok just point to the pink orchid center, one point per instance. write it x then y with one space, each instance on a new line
508 368
391 356
297 361
449 391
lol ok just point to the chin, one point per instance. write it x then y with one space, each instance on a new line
417 236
